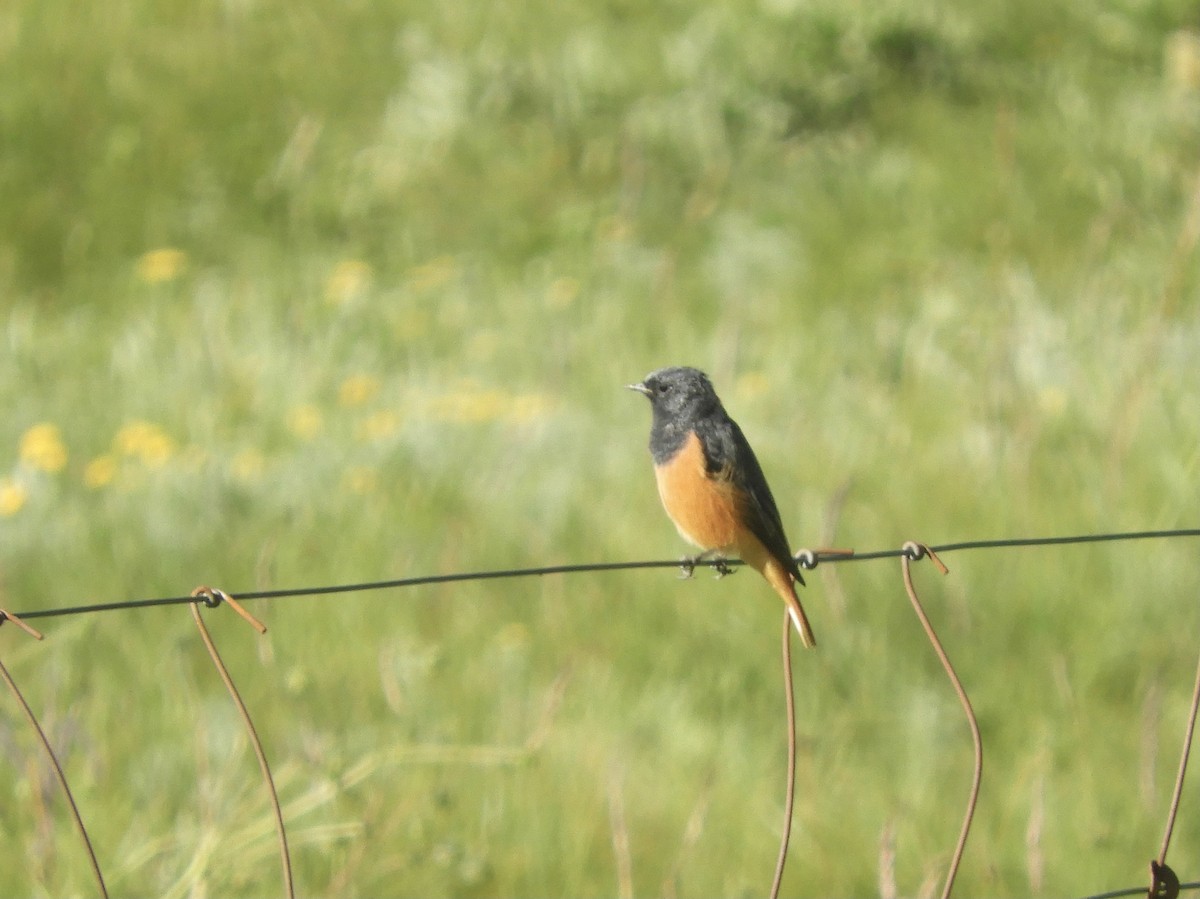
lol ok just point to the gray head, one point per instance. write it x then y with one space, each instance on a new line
679 395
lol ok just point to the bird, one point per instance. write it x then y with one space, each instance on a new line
712 486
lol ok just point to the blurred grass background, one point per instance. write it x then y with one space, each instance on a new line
300 294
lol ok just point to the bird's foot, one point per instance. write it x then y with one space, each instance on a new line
721 568
687 567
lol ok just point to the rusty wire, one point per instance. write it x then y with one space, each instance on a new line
910 553
49 750
1163 879
789 801
213 598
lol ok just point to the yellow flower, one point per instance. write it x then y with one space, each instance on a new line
412 325
305 421
349 279
433 273
471 404
1181 58
380 424
482 345
1053 401
614 229
562 292
42 448
146 442
357 390
513 636
248 465
752 384
527 407
12 497
161 265
99 472
361 480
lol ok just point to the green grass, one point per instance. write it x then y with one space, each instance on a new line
940 254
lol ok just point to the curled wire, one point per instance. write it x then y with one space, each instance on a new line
49 750
910 553
213 598
789 802
1164 884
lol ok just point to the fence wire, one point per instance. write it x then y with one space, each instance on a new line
807 559
1163 884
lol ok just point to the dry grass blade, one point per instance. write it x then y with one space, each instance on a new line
887 861
620 834
691 835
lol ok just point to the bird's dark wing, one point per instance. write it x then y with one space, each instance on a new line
729 456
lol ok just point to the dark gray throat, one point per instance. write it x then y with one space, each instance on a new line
666 439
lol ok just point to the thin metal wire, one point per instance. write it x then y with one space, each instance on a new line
58 771
419 581
811 559
910 553
1138 891
1178 793
836 556
207 595
789 802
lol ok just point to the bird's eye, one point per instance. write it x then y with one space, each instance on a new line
664 388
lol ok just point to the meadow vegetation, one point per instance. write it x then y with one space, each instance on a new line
302 294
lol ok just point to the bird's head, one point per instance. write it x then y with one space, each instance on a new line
678 393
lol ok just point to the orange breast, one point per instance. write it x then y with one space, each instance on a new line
703 508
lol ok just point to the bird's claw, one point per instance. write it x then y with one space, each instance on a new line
687 567
721 568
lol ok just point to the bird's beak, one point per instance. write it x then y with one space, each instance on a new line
640 388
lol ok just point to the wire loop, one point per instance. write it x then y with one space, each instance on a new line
806 559
1164 884
212 597
6 615
910 552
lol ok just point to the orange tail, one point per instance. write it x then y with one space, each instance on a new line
781 581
